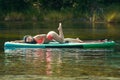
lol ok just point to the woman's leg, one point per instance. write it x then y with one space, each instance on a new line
58 37
54 36
77 40
61 35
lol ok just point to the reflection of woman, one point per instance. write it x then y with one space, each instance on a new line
40 58
48 58
50 36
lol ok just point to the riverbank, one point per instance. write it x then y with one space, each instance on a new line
37 77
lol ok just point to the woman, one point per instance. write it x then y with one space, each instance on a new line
50 36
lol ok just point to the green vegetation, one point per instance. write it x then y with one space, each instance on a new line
113 13
54 10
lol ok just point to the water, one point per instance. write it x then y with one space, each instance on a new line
65 64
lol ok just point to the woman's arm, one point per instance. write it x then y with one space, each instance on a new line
40 36
18 41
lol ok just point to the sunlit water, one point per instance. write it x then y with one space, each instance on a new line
65 64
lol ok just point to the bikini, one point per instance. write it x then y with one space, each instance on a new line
41 40
37 41
50 37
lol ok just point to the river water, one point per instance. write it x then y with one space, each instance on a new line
60 64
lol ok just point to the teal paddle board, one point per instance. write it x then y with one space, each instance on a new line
89 44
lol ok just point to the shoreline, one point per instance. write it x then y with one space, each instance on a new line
34 77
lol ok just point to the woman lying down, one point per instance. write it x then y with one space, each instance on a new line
49 37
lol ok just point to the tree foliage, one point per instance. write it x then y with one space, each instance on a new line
91 10
80 5
14 5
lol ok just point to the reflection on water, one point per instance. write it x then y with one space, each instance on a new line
62 62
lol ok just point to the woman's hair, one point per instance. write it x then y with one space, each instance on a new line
25 38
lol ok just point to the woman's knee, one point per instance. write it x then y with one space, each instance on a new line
52 33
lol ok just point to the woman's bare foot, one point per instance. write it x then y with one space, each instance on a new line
79 40
60 27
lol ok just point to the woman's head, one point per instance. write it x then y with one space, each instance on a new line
28 39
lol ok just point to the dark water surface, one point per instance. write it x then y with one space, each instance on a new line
60 64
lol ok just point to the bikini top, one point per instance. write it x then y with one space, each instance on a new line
39 41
